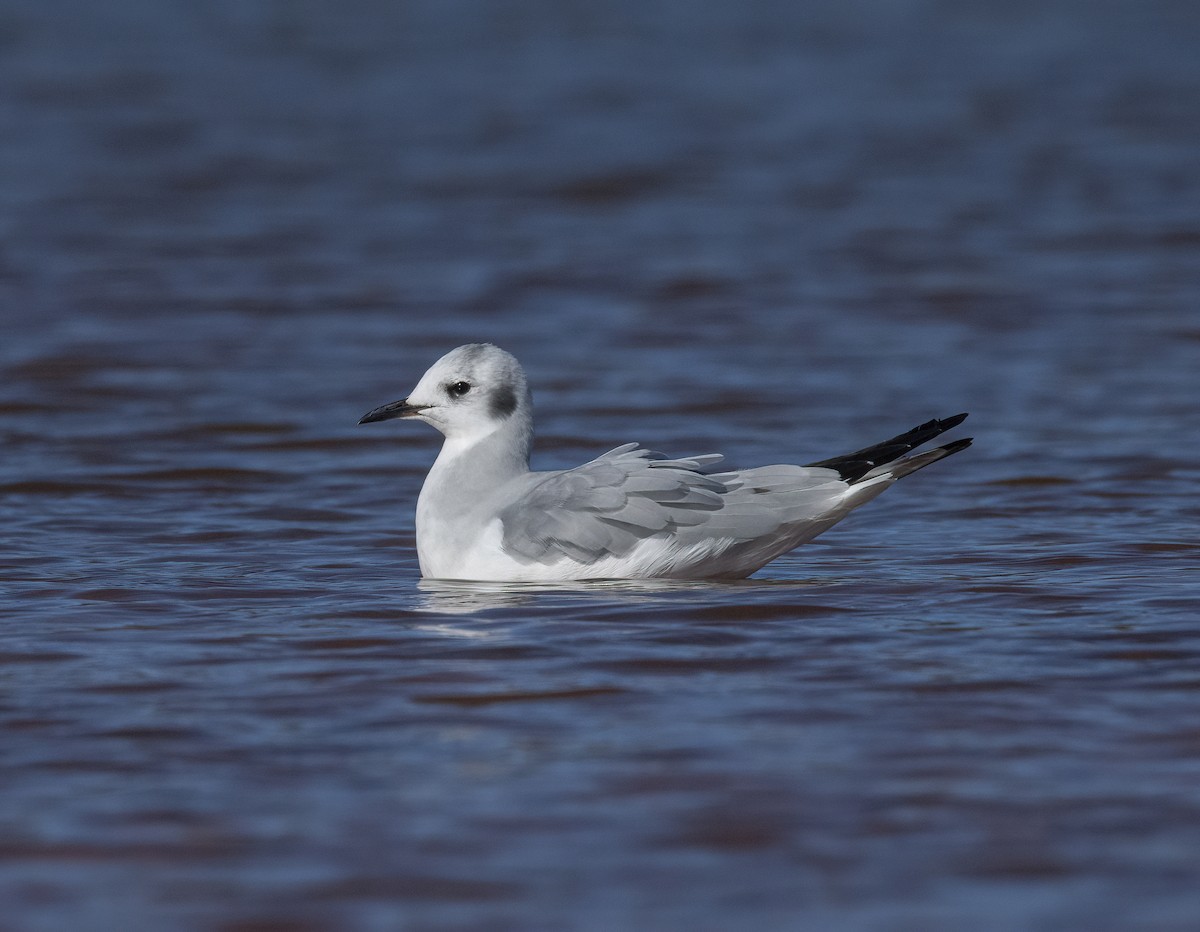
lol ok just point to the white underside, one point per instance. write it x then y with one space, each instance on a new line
658 557
655 557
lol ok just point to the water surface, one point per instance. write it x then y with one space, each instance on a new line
778 231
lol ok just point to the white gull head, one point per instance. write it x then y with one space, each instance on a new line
470 393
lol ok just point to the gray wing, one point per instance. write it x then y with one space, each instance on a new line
606 507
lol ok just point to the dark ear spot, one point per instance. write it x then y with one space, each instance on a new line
502 403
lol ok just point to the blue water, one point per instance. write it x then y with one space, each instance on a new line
778 231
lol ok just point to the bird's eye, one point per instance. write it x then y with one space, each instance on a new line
458 389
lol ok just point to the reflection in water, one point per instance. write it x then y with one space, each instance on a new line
459 597
446 597
454 631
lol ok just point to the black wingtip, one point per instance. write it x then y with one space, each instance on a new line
853 466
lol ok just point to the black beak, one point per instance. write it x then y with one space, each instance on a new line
395 409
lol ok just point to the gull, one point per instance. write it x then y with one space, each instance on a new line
631 513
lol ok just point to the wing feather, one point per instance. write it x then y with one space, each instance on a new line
608 506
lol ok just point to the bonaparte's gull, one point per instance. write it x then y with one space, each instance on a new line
629 514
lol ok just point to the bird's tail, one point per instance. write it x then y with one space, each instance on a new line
887 458
910 464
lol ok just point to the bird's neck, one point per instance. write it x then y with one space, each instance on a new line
465 480
489 459
473 467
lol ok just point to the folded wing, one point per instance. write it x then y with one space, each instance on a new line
610 505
